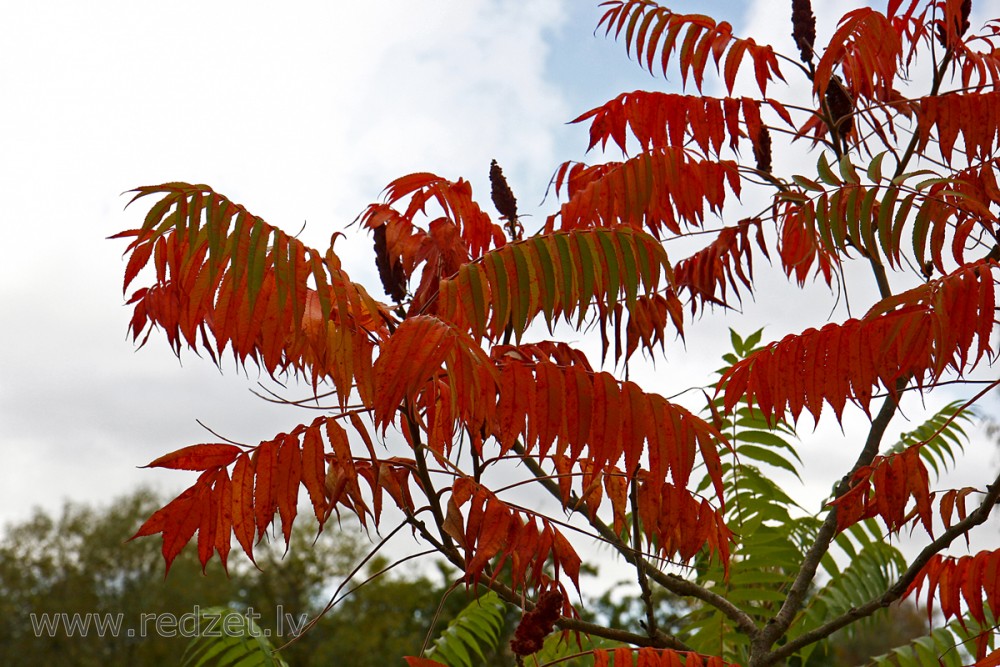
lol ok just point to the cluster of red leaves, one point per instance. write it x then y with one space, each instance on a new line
968 196
651 30
491 528
647 320
707 274
884 488
799 244
409 370
651 657
235 279
867 49
975 116
453 198
463 232
870 47
954 23
916 334
972 579
953 501
537 624
428 370
544 404
659 120
661 188
980 68
679 524
265 483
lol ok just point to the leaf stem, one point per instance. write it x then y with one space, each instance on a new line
646 595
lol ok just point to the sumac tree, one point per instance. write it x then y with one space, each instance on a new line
904 192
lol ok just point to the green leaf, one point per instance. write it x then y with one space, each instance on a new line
523 296
826 173
769 457
548 295
868 223
500 290
808 184
243 643
875 168
589 270
848 171
476 627
613 283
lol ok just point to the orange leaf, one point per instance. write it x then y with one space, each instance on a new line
412 661
265 460
288 474
178 520
222 501
910 334
243 504
198 457
413 353
314 471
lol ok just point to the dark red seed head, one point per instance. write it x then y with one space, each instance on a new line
841 106
803 28
536 625
762 150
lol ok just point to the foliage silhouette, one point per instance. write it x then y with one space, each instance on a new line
904 192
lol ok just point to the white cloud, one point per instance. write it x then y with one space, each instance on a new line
302 114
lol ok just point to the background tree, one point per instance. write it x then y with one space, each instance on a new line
904 194
78 562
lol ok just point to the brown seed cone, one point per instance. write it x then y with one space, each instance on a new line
503 198
537 624
803 28
841 106
389 272
960 27
762 150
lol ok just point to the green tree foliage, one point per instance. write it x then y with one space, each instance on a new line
78 562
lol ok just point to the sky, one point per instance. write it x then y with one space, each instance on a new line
303 115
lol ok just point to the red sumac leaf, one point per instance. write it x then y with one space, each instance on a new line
243 501
287 476
264 462
412 661
198 457
314 471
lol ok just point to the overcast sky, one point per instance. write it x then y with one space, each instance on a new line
302 114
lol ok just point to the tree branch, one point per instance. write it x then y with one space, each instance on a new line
658 640
425 478
647 595
671 582
778 625
896 591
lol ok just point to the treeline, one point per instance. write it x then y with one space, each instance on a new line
74 592
76 568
